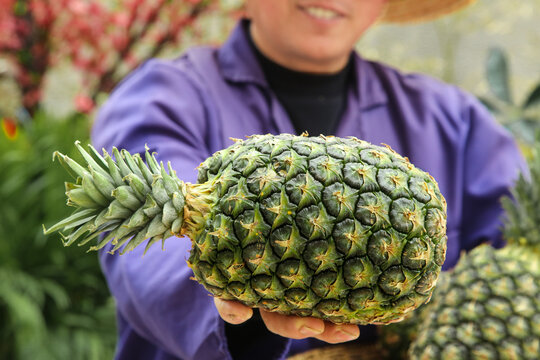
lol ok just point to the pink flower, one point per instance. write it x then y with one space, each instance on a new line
84 104
78 7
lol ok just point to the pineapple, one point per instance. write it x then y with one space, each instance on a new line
395 339
489 307
334 228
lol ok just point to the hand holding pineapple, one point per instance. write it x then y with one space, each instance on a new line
293 327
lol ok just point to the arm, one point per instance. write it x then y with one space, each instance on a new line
158 106
154 293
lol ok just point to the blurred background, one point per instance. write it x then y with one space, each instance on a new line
59 60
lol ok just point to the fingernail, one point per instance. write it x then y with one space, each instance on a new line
237 317
346 336
309 331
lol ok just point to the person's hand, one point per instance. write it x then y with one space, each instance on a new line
294 327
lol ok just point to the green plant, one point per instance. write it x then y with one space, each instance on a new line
54 304
522 119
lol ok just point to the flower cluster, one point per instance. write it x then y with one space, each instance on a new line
105 40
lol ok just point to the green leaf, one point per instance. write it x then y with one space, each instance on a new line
489 105
497 75
533 98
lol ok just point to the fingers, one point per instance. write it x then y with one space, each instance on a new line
232 312
296 327
293 327
334 333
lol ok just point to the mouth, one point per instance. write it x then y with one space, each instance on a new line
321 13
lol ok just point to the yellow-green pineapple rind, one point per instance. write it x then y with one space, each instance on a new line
334 228
488 309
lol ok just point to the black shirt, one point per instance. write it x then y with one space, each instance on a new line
314 102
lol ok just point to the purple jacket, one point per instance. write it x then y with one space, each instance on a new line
190 107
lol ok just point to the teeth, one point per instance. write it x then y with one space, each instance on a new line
320 13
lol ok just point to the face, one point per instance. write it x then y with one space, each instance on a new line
311 35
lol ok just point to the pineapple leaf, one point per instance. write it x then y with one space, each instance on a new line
75 218
497 75
72 167
99 159
533 98
124 169
151 161
90 160
489 105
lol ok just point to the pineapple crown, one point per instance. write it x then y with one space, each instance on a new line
522 218
130 199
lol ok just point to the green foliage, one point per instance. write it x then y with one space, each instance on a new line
522 209
522 119
54 302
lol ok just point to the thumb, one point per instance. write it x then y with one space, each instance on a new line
232 312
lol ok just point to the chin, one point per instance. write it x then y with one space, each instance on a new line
327 59
326 49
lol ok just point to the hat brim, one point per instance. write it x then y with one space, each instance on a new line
402 11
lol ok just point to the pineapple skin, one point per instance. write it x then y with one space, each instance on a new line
333 228
488 308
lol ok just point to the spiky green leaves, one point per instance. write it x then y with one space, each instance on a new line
126 197
522 210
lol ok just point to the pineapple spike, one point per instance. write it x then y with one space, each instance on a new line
140 188
125 195
121 242
168 181
103 184
73 168
151 242
130 161
79 197
147 174
152 162
98 157
90 160
92 190
119 159
78 216
130 199
113 169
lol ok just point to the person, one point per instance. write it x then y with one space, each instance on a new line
289 67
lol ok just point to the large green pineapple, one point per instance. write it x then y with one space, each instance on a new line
328 227
488 307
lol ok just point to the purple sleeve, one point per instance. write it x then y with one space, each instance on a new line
492 164
158 106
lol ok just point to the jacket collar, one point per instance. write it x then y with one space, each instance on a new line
239 64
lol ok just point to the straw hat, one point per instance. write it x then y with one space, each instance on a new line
401 11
